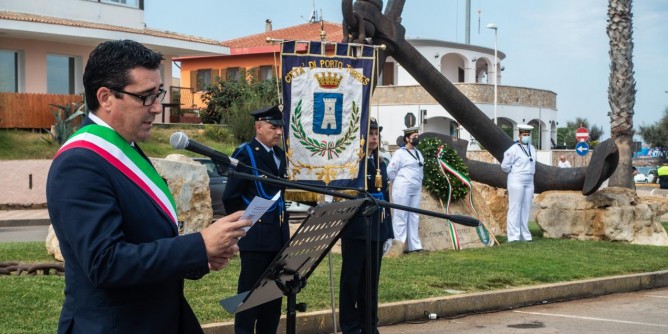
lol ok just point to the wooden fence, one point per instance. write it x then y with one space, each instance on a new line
31 111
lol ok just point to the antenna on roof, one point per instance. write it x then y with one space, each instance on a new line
314 15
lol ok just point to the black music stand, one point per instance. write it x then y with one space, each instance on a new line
288 273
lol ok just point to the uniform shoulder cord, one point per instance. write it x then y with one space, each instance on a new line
379 178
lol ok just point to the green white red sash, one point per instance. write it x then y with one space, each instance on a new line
448 170
119 153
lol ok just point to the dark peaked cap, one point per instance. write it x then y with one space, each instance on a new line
271 114
373 124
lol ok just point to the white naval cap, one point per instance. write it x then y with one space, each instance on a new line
524 128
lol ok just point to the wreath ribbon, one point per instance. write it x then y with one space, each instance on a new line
447 170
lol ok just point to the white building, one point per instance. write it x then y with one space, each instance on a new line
470 68
44 44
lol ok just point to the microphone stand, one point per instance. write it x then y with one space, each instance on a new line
225 168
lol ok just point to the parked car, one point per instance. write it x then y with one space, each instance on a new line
296 207
650 172
640 178
217 185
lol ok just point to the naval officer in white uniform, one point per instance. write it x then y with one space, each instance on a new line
405 173
519 161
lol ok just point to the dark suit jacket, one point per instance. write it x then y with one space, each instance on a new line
268 234
356 228
124 260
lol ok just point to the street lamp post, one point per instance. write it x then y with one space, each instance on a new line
496 66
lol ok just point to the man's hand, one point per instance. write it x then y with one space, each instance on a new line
218 263
221 237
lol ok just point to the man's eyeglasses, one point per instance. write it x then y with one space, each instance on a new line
148 99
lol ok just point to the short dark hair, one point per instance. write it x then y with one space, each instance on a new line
110 63
406 136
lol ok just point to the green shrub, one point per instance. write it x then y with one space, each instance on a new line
68 118
239 120
221 96
211 114
216 132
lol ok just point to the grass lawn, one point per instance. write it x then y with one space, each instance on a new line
421 275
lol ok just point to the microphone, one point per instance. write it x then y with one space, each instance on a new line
180 141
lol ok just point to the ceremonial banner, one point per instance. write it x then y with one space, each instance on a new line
326 100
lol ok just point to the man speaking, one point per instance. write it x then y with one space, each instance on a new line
114 216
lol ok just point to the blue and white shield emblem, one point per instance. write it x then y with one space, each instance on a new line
327 113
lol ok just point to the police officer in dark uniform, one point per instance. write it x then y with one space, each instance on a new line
353 290
271 232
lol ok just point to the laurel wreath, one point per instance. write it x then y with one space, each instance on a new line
435 182
322 148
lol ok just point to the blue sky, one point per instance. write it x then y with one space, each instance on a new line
556 45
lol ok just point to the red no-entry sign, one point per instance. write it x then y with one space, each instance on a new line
582 134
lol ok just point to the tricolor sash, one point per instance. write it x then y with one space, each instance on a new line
119 153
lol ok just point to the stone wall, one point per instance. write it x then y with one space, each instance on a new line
477 93
23 183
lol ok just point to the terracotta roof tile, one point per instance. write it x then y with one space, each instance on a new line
303 32
6 15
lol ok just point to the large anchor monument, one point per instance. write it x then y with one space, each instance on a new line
365 22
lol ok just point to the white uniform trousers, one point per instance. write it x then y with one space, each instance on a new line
404 223
520 195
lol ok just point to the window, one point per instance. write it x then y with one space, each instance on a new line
387 77
505 126
454 129
9 71
130 3
266 73
60 74
203 79
233 74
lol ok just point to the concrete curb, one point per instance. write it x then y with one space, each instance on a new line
391 313
27 217
24 222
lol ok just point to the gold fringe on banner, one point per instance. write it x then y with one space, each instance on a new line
302 196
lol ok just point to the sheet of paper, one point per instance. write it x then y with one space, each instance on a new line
257 207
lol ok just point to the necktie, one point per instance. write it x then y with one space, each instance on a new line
276 160
141 153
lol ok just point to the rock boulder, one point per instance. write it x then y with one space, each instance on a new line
611 214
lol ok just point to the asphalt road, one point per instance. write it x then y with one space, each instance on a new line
23 233
642 312
38 232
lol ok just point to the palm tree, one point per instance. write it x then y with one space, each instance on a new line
621 91
566 135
